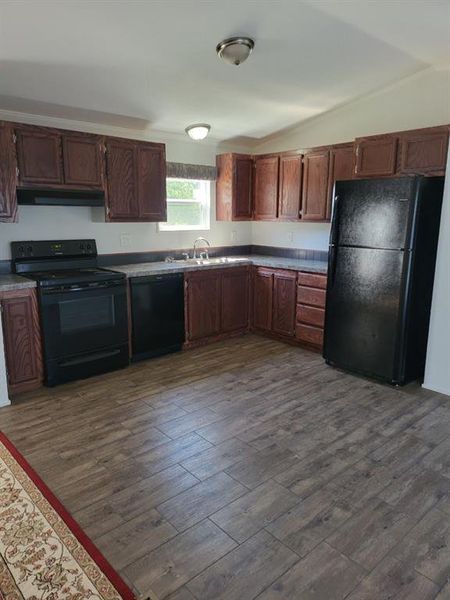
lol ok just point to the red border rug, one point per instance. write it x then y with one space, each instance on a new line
43 551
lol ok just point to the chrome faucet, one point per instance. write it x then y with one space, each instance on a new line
207 245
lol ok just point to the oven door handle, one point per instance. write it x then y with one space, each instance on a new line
64 290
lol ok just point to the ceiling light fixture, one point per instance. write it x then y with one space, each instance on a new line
235 50
198 131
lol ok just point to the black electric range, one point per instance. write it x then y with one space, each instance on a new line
83 308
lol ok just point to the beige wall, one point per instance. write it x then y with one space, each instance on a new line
421 100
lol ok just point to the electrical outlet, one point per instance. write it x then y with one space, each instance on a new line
233 235
290 236
125 240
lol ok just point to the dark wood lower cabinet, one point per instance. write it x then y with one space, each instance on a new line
284 293
22 340
235 299
274 299
216 302
262 298
310 319
203 304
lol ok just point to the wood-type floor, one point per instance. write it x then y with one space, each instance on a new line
249 469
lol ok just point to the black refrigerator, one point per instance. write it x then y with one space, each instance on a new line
381 264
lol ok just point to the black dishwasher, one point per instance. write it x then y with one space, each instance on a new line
157 310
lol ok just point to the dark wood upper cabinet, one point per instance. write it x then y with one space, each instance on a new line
203 304
20 320
39 157
136 176
243 187
151 182
121 169
262 298
266 187
315 185
290 187
284 302
341 168
234 187
424 151
376 156
8 175
235 299
83 160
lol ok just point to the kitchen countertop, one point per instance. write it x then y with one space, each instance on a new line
12 282
275 262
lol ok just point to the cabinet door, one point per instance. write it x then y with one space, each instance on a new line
376 156
315 186
151 183
39 157
266 188
235 289
284 302
290 187
82 161
341 169
423 152
22 339
262 299
122 201
8 202
203 304
242 187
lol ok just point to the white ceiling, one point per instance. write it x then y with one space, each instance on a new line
153 63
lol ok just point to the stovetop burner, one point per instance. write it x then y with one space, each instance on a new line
60 262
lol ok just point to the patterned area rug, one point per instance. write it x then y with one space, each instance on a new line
44 555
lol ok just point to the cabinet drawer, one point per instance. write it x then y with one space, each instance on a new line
311 296
311 315
309 334
312 280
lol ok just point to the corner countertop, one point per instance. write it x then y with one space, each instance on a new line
11 282
274 262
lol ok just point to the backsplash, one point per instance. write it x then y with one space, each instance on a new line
299 253
107 260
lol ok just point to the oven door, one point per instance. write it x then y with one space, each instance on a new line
84 318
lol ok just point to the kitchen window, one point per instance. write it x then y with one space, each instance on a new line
188 205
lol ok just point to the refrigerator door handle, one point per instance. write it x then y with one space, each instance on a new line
332 262
334 233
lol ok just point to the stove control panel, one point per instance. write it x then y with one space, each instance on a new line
53 249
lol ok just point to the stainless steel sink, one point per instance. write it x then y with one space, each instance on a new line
223 260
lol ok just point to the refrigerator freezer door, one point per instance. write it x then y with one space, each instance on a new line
374 213
363 311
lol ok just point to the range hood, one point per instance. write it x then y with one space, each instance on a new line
39 197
